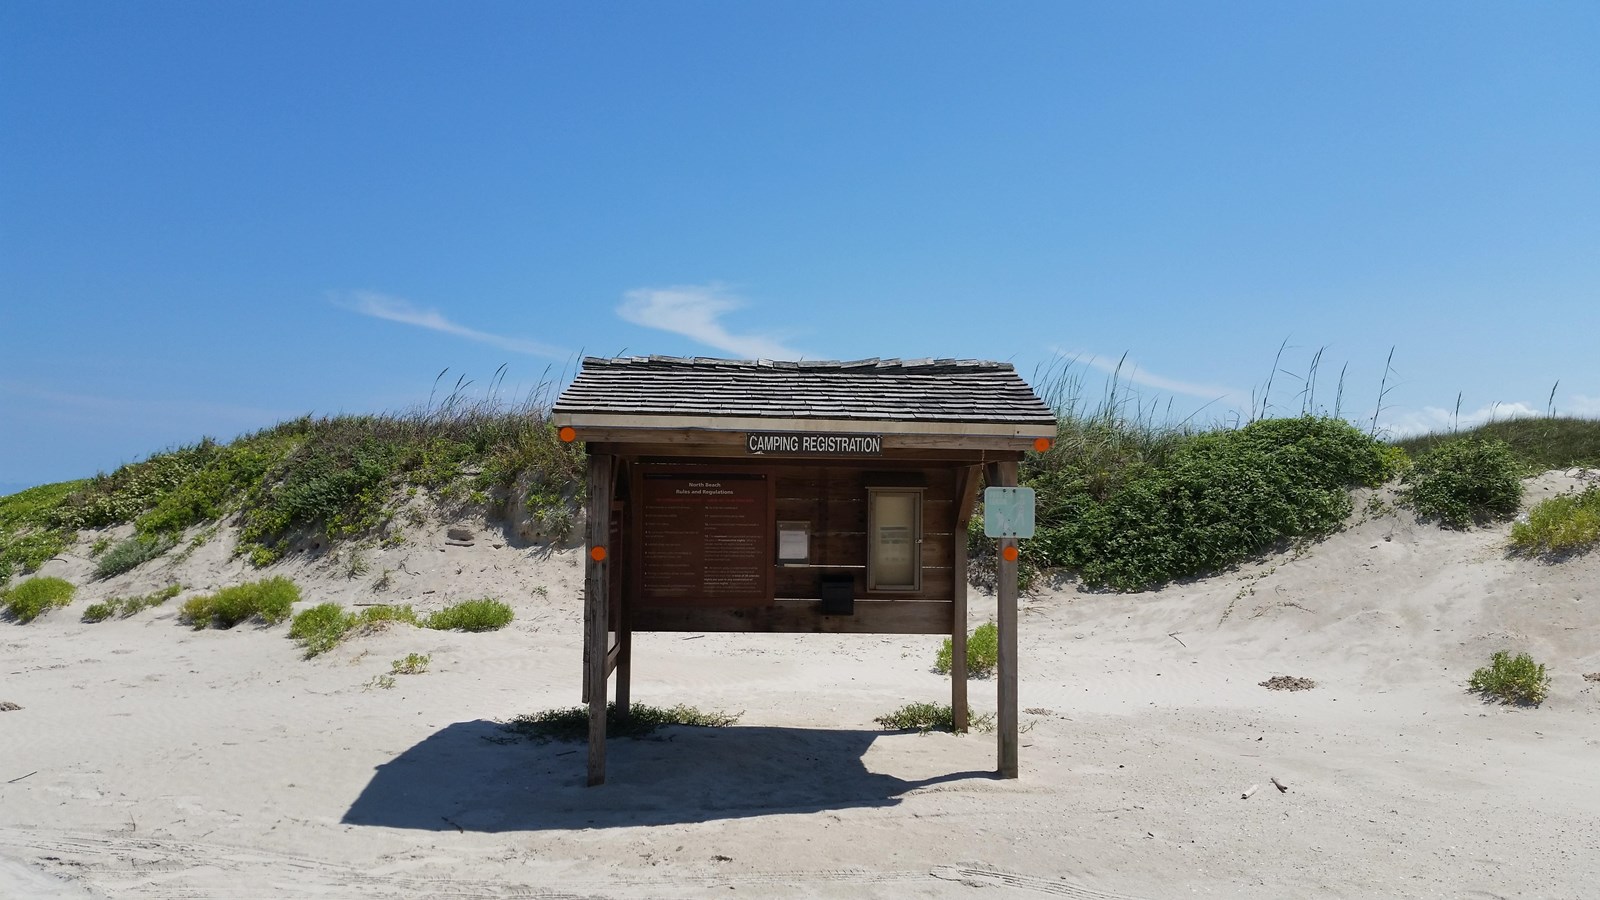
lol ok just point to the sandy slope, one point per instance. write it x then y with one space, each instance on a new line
150 760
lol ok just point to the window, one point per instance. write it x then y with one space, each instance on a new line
894 535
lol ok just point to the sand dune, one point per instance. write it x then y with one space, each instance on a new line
148 760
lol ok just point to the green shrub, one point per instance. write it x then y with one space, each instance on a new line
1517 680
926 717
1566 524
269 600
572 723
321 628
983 652
105 609
36 596
471 615
1465 482
1206 502
133 552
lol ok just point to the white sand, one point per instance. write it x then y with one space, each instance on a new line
149 760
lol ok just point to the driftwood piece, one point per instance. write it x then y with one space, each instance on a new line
1252 790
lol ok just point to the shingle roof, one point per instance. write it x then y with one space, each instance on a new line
918 390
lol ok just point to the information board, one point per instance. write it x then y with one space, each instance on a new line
706 540
1008 512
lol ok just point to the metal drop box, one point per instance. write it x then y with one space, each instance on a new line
838 595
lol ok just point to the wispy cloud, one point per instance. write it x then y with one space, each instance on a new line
1128 370
1578 405
398 309
65 406
695 311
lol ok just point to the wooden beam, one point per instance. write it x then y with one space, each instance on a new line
612 655
595 600
958 605
803 616
1005 475
701 425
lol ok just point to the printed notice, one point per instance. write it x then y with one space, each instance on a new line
706 540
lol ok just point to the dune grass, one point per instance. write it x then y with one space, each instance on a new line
322 627
268 601
486 614
128 606
572 723
1540 443
35 597
1561 525
983 652
131 553
926 717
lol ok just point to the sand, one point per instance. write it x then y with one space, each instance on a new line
149 760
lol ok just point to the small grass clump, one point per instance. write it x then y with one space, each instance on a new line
1509 679
321 628
926 717
983 652
36 596
1465 482
269 600
471 615
572 723
1560 525
412 664
131 553
128 606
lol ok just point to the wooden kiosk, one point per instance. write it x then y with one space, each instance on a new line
730 495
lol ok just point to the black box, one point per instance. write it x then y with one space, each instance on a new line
838 595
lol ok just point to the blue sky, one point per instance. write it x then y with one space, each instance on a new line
214 216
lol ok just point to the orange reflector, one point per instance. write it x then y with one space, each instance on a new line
597 554
1010 553
567 434
1041 444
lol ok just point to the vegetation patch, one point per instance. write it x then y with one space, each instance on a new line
983 652
321 628
1465 482
29 532
471 615
1509 679
412 664
131 553
1539 443
926 717
36 596
1560 525
268 601
1288 683
1129 507
572 723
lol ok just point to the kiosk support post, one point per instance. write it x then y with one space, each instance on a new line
596 593
1004 474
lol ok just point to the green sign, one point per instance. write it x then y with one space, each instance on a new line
1008 512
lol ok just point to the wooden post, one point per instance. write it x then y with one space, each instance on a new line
1004 474
966 496
595 597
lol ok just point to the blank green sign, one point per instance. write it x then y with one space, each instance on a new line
1008 512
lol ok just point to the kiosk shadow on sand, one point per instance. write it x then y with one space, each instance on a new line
464 778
